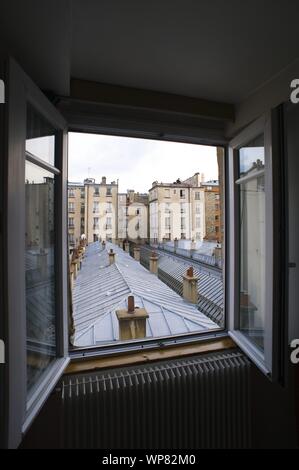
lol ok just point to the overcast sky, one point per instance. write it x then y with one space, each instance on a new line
137 162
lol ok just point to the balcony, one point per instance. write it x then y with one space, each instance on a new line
72 226
71 210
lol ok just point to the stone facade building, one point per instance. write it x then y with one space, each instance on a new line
177 210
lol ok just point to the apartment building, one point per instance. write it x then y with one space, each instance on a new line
76 212
133 216
92 210
213 219
177 210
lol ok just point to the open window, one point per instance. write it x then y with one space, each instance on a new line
36 260
254 300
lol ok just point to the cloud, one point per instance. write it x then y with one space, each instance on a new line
137 162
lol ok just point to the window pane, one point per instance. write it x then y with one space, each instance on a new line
252 156
39 266
40 140
252 262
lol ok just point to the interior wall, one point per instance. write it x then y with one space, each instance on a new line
273 93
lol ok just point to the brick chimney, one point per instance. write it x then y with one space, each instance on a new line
132 321
190 286
153 262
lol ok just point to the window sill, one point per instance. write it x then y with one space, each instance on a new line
144 357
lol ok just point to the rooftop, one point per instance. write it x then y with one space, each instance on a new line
101 289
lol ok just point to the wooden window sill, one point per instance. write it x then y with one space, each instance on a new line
144 357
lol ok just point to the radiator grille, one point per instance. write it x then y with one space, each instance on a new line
198 402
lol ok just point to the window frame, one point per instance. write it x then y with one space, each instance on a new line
82 353
21 409
267 362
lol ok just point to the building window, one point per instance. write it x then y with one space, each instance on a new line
167 223
182 193
95 223
82 193
197 209
198 236
109 192
71 222
82 208
108 223
167 208
197 195
71 207
183 208
71 193
95 207
183 222
166 192
96 191
197 222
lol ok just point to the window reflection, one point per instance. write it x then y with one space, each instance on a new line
40 140
252 242
39 267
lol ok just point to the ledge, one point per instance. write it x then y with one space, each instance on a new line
144 357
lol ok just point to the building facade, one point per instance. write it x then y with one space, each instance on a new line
133 216
92 211
98 212
213 219
177 210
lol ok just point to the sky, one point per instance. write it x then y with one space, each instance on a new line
136 163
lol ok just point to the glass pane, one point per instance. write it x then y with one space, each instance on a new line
252 262
40 140
39 266
252 156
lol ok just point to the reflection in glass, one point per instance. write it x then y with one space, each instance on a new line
39 266
252 247
252 157
40 140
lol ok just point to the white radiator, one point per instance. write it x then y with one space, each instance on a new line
194 403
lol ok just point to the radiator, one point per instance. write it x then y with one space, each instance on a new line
197 403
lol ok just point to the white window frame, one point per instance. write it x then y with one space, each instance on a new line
267 360
21 409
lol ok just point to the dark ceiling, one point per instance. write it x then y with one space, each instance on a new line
213 49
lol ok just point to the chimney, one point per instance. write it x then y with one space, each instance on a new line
132 321
137 253
218 252
190 286
153 262
111 256
104 179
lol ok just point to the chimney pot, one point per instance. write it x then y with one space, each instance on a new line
190 271
131 304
